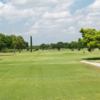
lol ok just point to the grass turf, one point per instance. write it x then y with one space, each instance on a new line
48 75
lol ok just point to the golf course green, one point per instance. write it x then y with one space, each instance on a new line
49 75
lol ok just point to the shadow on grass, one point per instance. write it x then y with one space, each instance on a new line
93 58
5 55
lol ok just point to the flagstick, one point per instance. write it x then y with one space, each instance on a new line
31 46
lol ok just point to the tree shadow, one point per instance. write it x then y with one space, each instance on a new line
93 58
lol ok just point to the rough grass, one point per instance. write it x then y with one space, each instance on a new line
48 75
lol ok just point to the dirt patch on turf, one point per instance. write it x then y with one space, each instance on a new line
91 63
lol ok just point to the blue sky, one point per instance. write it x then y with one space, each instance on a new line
79 4
48 20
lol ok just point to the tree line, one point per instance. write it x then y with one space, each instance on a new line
90 40
61 45
12 43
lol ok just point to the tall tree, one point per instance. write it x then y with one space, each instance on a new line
91 37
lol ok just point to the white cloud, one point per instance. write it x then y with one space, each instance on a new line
10 12
19 2
56 14
96 4
90 16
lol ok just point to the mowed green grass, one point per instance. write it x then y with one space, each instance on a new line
48 75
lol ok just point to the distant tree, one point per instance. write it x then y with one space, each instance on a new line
97 39
73 45
20 44
59 45
8 41
26 46
80 44
2 41
66 45
53 46
44 46
12 42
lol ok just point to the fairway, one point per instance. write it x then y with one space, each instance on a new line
49 75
